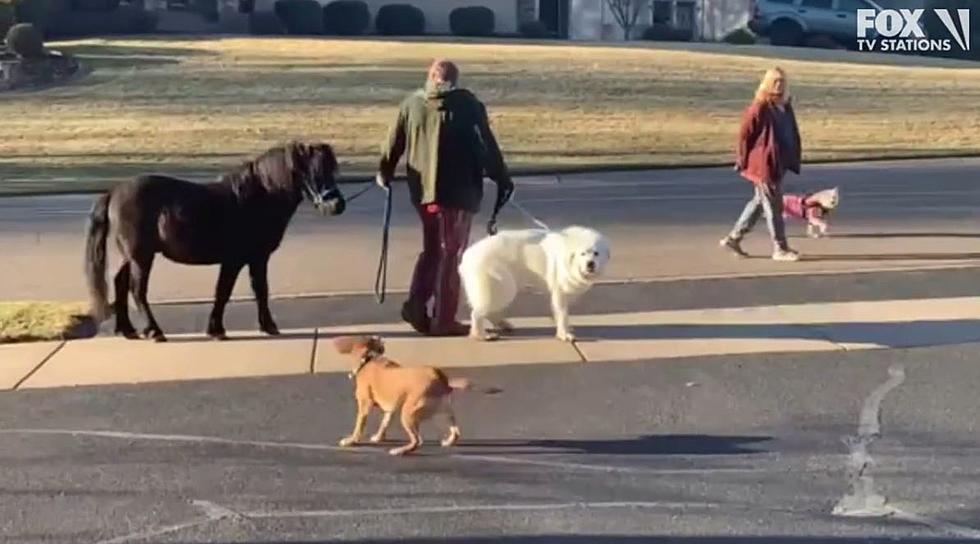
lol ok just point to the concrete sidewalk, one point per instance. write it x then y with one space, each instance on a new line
662 224
602 338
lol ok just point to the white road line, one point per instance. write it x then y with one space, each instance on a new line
601 468
196 439
176 438
938 524
506 507
212 512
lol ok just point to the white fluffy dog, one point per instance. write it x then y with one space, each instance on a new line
565 262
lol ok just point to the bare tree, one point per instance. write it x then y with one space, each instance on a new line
626 13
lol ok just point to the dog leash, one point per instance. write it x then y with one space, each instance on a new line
381 279
530 216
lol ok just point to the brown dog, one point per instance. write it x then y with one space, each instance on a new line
420 392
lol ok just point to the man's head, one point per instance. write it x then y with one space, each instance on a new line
444 71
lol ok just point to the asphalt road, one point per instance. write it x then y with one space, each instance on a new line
723 450
663 224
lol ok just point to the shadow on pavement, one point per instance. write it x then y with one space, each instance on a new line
624 539
695 444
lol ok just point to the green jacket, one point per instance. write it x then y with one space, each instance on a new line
447 137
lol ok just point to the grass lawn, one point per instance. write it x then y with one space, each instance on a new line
34 321
195 106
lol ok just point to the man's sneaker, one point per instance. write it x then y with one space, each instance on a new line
733 245
785 255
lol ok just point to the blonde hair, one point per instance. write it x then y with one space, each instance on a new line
766 93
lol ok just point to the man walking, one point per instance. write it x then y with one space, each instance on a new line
445 134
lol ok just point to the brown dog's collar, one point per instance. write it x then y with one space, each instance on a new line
365 359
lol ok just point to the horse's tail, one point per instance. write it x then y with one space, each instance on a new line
95 258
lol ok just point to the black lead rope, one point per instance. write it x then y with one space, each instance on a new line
381 279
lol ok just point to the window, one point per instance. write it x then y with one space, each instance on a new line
819 4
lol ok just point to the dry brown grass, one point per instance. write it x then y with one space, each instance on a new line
34 321
198 105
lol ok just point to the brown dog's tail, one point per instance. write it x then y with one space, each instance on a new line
462 384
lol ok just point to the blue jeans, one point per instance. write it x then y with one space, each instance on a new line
764 202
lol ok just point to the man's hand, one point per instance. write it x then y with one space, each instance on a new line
382 181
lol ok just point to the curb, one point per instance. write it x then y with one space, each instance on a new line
620 282
586 169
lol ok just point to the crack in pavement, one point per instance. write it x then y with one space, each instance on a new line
863 501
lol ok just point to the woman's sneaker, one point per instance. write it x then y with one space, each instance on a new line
785 255
733 245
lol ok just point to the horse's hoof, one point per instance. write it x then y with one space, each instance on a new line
218 336
271 330
159 339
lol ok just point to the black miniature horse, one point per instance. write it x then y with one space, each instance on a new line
237 221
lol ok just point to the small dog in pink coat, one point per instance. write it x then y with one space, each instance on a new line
814 208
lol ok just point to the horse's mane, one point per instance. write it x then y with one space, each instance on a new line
269 171
279 169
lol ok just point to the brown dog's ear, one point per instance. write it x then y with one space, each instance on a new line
343 344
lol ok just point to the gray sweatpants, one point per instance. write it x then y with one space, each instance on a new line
770 204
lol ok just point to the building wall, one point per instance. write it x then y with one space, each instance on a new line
591 20
437 12
720 17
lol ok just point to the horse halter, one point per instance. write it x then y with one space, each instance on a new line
318 198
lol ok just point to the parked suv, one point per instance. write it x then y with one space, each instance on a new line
788 22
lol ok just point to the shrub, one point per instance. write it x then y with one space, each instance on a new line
125 20
472 21
535 30
39 12
7 19
26 41
94 5
300 17
666 33
265 23
937 30
346 18
207 8
400 20
740 36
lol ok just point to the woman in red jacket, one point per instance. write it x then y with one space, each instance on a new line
768 146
